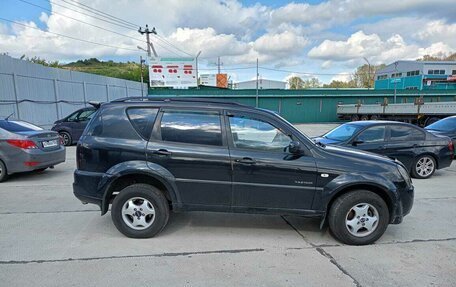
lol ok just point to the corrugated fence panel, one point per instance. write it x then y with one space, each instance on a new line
45 94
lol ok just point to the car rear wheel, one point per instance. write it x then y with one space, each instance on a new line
3 173
423 167
67 140
359 217
364 117
140 211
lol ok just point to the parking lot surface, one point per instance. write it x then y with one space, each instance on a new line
48 238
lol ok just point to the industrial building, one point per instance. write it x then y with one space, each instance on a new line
308 105
417 75
263 84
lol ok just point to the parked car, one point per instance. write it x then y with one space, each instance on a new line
444 127
27 147
420 151
71 127
150 157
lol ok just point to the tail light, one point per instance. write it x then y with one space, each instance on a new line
24 144
451 148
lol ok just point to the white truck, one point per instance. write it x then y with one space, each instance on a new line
419 112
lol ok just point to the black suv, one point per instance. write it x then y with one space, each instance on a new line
148 157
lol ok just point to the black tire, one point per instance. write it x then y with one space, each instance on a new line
364 117
3 172
374 117
67 139
354 118
155 198
419 161
341 210
430 121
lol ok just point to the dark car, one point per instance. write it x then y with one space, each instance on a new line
27 147
71 127
444 127
150 157
420 151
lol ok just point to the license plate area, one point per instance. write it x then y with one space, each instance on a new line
52 143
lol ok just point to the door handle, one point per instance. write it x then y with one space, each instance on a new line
162 152
245 160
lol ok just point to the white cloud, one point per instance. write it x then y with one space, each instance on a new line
371 46
342 77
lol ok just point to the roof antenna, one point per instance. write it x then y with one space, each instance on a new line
9 116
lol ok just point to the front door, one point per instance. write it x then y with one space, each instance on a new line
190 145
372 139
265 175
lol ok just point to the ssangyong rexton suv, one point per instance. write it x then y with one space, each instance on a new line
150 157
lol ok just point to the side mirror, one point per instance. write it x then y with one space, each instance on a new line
357 142
294 147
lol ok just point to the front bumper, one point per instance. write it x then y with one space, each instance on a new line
404 205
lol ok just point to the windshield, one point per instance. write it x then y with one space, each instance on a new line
18 126
445 125
343 132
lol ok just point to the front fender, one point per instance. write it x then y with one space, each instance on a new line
348 180
141 168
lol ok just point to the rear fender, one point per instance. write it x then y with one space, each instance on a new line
144 168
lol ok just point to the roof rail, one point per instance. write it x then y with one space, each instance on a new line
179 99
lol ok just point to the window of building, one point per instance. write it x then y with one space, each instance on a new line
258 135
436 72
396 75
413 73
453 72
382 77
191 128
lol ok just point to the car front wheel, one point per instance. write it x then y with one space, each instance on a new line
359 217
140 211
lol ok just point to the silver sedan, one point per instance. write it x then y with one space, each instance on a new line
27 147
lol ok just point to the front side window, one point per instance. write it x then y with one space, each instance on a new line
373 134
404 133
342 132
85 115
201 128
258 135
73 116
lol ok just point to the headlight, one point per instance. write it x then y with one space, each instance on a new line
404 173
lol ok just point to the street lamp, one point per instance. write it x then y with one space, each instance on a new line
197 79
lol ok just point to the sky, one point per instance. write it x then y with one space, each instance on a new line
323 39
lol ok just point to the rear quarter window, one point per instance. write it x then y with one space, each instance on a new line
405 133
142 119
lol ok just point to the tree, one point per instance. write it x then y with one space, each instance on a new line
295 83
311 83
364 75
341 84
439 57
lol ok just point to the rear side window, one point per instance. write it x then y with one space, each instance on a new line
201 128
404 133
142 120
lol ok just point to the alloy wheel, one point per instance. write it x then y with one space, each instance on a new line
425 166
362 220
138 213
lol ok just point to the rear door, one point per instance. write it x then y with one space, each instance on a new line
191 145
404 143
265 175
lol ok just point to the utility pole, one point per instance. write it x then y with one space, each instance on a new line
395 80
257 74
218 64
150 46
141 61
196 60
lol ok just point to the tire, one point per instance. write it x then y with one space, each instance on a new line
354 118
424 166
364 117
430 121
343 217
40 170
67 139
129 201
374 117
3 172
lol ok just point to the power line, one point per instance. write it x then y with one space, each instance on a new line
104 20
57 13
66 36
158 37
101 13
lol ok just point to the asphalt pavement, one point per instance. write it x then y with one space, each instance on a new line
48 238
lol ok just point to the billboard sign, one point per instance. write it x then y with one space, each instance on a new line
214 80
172 72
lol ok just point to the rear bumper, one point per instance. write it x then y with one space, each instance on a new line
42 159
404 205
85 187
